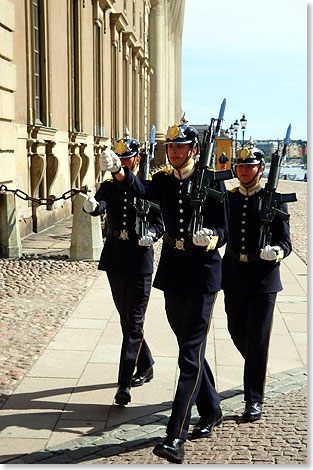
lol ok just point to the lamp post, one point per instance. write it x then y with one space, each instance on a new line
243 124
236 129
231 131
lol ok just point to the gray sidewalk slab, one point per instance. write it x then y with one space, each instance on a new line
69 391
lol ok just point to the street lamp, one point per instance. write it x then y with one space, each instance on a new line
231 131
236 129
243 124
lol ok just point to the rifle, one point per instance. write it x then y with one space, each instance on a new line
267 205
200 188
143 206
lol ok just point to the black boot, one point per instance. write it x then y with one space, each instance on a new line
171 449
122 396
253 411
141 377
204 427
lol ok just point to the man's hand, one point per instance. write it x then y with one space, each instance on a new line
270 253
202 237
90 204
147 240
205 237
109 161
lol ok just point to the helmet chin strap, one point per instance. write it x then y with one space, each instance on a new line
186 159
255 176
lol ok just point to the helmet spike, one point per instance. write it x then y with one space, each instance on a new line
183 119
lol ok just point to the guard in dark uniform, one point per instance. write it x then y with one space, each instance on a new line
129 266
251 277
189 273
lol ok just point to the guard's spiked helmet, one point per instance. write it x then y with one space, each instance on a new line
127 147
182 134
249 156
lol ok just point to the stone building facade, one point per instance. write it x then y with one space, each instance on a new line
73 75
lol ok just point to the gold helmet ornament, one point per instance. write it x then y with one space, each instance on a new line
249 156
127 147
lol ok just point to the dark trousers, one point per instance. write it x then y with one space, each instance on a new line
249 324
190 317
131 296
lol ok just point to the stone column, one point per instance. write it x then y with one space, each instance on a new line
157 57
10 241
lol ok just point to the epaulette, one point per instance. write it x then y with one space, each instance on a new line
165 170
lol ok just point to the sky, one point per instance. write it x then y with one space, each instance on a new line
254 54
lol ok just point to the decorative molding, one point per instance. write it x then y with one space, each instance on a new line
130 38
85 163
106 4
139 52
100 144
119 21
53 165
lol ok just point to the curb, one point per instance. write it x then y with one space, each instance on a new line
147 430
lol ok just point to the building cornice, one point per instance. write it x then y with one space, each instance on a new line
119 21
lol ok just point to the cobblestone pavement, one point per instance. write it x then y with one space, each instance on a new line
280 437
35 301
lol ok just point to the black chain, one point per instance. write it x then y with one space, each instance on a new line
43 200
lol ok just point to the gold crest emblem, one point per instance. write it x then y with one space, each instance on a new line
244 153
174 131
121 147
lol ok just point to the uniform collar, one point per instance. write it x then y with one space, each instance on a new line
186 171
250 191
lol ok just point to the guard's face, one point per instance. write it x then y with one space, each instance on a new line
248 174
130 162
178 153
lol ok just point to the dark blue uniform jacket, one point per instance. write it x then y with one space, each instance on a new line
192 270
124 256
248 278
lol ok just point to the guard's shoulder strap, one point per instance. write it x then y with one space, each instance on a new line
166 171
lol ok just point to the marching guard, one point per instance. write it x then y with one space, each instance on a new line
189 274
251 276
128 262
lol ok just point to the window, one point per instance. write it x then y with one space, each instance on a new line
98 80
38 112
75 67
38 92
134 15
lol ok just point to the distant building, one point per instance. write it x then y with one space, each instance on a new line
267 146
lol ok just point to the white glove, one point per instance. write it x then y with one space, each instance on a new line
109 161
146 240
269 253
90 204
202 237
